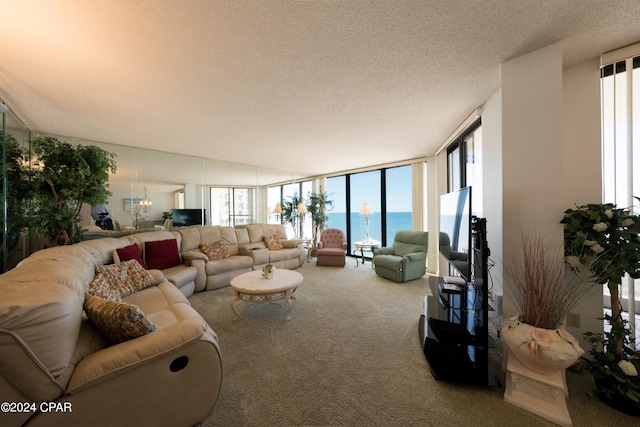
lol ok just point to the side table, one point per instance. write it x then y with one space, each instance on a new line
364 246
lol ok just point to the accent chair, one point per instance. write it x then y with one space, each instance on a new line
406 259
332 248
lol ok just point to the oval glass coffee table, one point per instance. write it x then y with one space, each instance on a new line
253 288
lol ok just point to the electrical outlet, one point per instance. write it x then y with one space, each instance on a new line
573 320
491 295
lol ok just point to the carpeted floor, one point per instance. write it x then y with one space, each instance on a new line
351 356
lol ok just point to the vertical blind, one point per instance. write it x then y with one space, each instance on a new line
620 115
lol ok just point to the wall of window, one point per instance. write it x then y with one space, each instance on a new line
232 206
387 192
464 164
277 195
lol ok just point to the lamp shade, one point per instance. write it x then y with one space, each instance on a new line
269 211
365 209
277 209
302 208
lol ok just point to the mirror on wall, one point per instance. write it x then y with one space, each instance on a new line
15 242
165 180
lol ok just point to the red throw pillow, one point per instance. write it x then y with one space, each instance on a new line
162 254
131 252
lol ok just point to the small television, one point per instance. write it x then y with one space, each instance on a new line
455 231
185 217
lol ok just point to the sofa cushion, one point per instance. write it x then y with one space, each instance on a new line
273 242
129 252
116 320
161 254
215 251
233 263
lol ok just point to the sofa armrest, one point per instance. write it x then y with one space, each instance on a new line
193 254
247 249
139 351
288 244
260 256
416 256
158 275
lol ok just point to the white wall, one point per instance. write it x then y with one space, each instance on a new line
582 164
532 174
491 113
541 136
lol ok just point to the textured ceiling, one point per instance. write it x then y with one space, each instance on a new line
306 86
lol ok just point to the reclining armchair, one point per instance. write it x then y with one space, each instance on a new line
406 259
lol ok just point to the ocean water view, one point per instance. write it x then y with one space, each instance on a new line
395 221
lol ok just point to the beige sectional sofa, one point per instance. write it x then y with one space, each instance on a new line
52 354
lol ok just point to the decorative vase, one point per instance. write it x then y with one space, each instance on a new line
545 351
268 271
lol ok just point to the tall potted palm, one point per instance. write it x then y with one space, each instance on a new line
607 239
318 204
290 211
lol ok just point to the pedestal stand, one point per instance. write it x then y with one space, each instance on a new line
543 395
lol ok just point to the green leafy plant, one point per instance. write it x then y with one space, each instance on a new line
17 190
607 240
63 177
616 378
318 204
290 211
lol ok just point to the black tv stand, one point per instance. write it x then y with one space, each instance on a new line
454 329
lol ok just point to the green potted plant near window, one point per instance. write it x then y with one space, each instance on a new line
290 211
608 240
318 204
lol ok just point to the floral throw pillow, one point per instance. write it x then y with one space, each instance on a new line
137 278
116 281
118 321
273 242
107 281
215 251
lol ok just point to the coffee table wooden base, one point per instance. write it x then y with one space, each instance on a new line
254 289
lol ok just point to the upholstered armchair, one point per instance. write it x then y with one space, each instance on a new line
406 259
332 248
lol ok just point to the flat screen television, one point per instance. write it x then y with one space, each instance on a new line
455 231
184 217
